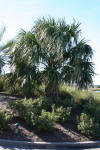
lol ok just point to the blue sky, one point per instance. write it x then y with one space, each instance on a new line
17 14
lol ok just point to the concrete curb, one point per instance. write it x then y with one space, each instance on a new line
49 145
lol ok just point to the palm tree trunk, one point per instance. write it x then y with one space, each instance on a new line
52 90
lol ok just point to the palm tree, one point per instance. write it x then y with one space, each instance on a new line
64 54
57 47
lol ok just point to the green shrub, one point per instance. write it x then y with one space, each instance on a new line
91 106
44 122
62 114
43 103
22 106
33 113
25 110
87 125
4 120
29 105
97 114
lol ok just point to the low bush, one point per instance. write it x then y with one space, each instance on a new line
91 106
43 103
44 122
21 106
41 122
4 120
27 105
40 113
88 126
34 112
61 114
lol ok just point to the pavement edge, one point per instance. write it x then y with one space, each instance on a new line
50 144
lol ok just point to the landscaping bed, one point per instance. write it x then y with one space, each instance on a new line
43 128
60 133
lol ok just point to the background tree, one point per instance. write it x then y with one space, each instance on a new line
2 59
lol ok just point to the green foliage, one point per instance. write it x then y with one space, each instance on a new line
91 105
4 120
44 122
10 86
86 102
59 49
35 105
62 114
23 107
40 113
43 103
88 126
21 87
72 95
66 97
34 112
2 83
